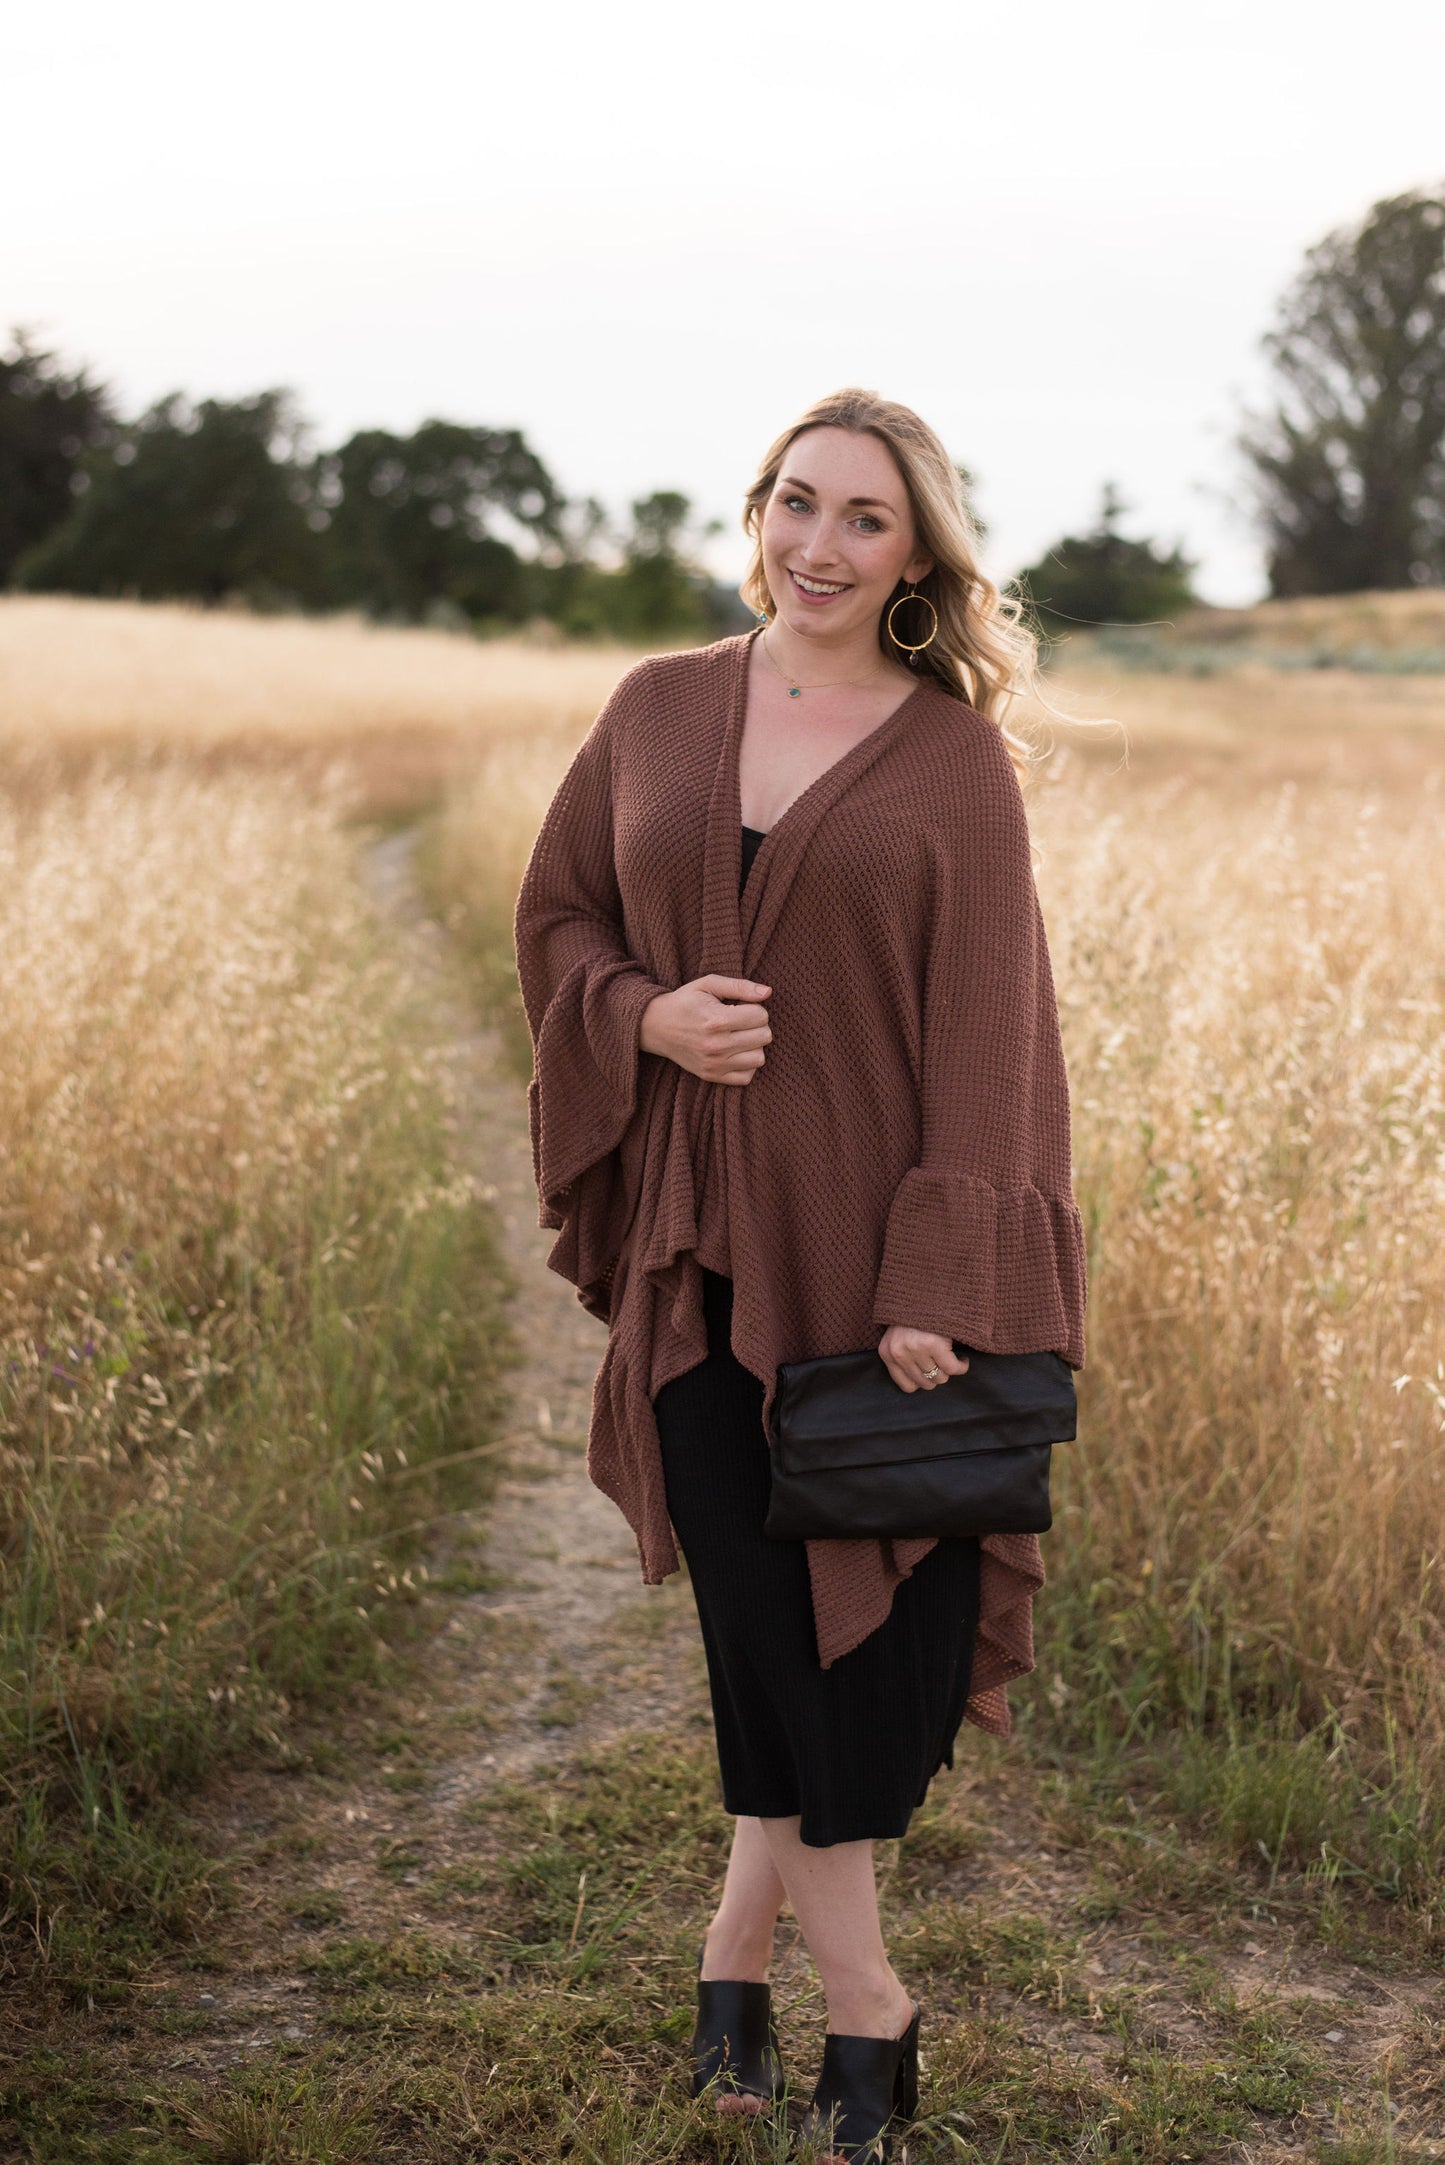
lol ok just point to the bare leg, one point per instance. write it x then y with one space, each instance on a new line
739 1941
834 1896
740 1937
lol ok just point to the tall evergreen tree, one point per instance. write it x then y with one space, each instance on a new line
50 417
1350 465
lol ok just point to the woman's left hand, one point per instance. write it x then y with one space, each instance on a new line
910 1354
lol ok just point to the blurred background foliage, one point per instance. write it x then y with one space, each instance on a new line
1102 577
462 524
230 500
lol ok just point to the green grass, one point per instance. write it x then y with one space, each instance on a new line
544 2014
167 1608
1142 1697
1145 649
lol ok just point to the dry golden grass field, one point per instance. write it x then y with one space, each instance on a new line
399 712
234 1217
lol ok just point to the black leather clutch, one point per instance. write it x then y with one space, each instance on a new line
854 1455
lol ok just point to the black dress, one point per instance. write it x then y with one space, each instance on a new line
849 1750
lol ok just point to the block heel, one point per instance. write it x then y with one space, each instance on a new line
869 2085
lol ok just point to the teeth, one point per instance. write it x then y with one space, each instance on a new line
815 586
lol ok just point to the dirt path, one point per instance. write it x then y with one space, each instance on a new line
563 1561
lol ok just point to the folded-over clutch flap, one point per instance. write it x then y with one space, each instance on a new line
844 1409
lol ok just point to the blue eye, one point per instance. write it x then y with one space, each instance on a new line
791 503
875 524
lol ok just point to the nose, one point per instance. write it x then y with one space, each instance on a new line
821 547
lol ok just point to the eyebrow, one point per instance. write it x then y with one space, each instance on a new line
875 503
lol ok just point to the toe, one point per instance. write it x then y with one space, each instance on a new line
734 2105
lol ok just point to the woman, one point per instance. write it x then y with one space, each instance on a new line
799 1089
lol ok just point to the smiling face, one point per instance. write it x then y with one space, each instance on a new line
838 533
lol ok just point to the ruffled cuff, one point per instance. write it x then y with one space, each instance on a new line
1000 1269
584 1088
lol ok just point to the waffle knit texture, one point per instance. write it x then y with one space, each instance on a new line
902 1155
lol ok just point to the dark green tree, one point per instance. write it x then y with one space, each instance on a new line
1349 468
50 417
202 502
410 519
570 587
1104 578
661 589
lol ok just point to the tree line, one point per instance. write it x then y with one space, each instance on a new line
450 523
461 523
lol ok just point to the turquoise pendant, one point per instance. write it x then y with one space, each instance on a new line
796 692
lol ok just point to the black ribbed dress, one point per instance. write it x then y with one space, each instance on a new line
849 1750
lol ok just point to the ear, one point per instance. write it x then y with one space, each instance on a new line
918 568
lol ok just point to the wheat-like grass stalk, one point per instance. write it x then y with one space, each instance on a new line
234 1234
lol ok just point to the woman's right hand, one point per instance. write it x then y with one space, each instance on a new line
713 1026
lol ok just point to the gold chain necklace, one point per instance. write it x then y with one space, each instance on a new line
795 689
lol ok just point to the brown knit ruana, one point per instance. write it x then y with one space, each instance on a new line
902 1155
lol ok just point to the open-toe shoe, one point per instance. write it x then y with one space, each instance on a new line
734 2042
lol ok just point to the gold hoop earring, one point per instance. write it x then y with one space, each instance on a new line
913 595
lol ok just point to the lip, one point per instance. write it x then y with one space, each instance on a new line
818 601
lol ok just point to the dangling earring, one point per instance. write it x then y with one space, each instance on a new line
913 652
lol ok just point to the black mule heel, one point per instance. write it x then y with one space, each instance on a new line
868 2084
735 2042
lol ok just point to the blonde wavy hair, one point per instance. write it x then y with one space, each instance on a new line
985 652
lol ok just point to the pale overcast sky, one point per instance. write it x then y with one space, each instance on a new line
649 233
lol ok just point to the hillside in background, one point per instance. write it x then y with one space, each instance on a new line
1387 631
